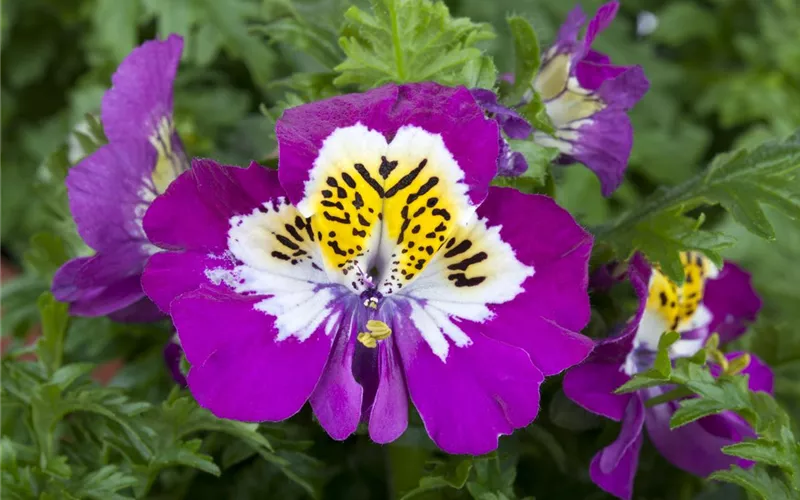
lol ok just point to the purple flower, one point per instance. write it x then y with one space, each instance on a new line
587 97
111 189
708 301
509 163
376 265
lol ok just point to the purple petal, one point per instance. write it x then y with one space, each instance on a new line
388 417
483 391
623 89
732 301
555 303
336 401
172 357
512 124
470 137
695 447
141 92
592 386
141 311
510 163
601 20
95 299
604 144
105 192
571 27
211 194
170 274
239 369
613 469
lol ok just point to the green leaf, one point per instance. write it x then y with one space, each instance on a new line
407 41
115 26
479 73
662 364
536 113
46 254
643 380
741 182
186 453
756 481
693 409
526 56
229 21
452 473
105 483
50 345
760 450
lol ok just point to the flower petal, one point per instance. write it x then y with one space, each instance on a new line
529 267
483 391
732 302
95 299
336 401
240 369
212 194
388 417
592 385
380 167
141 94
614 467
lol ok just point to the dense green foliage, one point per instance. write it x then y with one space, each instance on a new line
714 168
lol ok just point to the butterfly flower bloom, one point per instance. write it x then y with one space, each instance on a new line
587 99
111 189
708 301
375 265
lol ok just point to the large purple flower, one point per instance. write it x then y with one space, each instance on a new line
111 189
708 301
376 265
587 97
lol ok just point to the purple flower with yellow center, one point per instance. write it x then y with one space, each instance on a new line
709 301
587 99
111 189
376 265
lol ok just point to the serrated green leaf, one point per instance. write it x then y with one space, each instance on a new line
739 181
756 481
526 57
643 380
693 409
105 484
407 41
760 450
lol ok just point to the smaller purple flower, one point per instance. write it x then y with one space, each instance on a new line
587 97
111 189
709 301
509 163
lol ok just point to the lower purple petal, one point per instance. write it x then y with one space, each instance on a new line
592 385
614 467
482 391
239 370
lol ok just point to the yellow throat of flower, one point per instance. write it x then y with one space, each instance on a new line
677 304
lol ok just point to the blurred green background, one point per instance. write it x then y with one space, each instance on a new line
724 74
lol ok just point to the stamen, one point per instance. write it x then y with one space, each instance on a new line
378 330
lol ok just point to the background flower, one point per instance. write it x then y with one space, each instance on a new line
110 190
694 447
